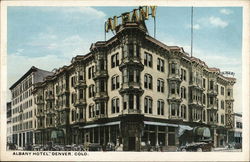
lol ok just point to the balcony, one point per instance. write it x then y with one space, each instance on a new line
100 116
80 102
212 107
212 92
195 103
40 102
101 96
80 84
50 97
40 114
193 85
174 98
100 74
174 77
131 111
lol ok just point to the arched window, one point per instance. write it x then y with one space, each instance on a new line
148 104
148 81
91 90
91 111
183 111
115 82
183 92
115 105
160 107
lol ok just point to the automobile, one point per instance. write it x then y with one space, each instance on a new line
197 147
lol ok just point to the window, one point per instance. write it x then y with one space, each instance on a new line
115 82
130 50
114 60
102 86
102 65
115 105
160 85
204 83
222 89
73 81
148 104
91 111
91 72
183 111
148 81
160 107
173 68
183 92
174 109
222 104
91 91
81 93
160 65
172 88
183 74
131 101
148 59
222 119
211 84
203 98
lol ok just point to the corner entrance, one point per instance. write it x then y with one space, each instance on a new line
131 144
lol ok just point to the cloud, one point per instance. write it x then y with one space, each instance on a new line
196 26
226 11
89 12
217 22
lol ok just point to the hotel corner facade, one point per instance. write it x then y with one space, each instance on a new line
131 90
134 90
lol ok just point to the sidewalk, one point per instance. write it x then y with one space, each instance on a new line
226 150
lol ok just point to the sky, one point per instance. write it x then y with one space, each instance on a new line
48 37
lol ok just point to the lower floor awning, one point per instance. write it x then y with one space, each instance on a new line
57 134
100 125
202 131
160 124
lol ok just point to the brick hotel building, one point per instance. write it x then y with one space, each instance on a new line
133 89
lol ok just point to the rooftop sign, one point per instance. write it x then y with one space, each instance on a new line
137 15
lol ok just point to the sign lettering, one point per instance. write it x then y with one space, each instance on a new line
137 15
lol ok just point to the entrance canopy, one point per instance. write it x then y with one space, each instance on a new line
57 134
202 131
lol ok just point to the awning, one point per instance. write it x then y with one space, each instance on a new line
202 131
159 124
57 134
100 125
182 129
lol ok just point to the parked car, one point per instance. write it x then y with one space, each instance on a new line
197 146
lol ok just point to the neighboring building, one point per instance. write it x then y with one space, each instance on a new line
235 135
134 90
23 112
9 125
